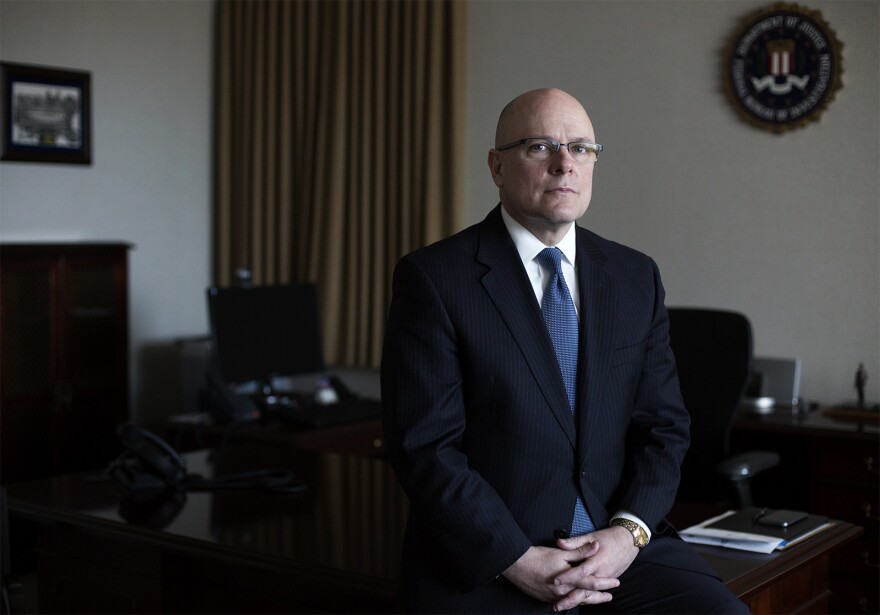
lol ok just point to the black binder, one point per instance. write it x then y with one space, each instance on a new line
748 520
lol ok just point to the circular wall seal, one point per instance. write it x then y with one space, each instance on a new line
783 67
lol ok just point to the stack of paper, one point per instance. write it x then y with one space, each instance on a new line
757 538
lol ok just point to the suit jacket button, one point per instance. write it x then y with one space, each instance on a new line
560 533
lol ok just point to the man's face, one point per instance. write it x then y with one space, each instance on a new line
544 196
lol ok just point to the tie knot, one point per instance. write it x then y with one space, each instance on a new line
551 258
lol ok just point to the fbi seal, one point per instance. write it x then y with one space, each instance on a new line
783 67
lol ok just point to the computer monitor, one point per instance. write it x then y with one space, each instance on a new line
775 380
264 331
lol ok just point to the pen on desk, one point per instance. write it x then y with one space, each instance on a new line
760 514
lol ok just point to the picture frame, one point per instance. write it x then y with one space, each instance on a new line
46 114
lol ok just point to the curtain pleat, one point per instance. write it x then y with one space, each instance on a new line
339 127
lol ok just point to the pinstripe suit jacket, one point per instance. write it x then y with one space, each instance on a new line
478 426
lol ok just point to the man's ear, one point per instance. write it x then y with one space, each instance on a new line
495 167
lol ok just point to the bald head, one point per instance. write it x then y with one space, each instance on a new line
551 103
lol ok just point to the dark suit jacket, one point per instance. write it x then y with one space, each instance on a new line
478 426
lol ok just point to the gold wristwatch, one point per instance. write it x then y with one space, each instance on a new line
640 536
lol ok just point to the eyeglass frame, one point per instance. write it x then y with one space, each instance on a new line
599 146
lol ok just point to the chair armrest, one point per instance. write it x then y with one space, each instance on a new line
746 465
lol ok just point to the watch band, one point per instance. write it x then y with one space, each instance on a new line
640 536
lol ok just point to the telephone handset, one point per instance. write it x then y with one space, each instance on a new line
155 452
149 462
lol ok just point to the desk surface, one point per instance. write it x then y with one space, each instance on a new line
349 525
813 423
351 519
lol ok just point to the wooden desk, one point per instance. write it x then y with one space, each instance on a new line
790 581
831 467
334 550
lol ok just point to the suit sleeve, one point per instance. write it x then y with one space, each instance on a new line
424 420
658 435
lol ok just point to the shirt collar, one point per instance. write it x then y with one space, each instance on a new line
528 246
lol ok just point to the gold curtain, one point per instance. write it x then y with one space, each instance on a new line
338 140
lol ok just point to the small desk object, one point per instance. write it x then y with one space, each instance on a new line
335 549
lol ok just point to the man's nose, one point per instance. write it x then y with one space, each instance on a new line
561 160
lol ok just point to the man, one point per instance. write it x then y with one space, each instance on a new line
532 409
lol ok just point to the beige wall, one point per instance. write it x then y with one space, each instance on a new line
784 228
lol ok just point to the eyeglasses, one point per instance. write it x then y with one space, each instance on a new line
542 148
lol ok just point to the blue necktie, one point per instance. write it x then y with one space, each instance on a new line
562 324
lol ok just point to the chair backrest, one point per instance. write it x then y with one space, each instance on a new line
713 354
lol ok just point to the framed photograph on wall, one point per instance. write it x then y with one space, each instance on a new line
46 114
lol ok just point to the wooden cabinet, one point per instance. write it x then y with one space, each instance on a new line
63 356
830 467
847 487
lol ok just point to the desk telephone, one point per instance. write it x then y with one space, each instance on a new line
150 466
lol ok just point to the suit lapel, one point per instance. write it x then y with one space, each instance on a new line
596 321
509 288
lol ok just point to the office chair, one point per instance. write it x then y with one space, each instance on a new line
713 354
